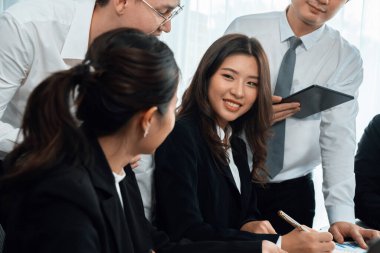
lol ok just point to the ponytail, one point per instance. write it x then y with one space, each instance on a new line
125 72
49 129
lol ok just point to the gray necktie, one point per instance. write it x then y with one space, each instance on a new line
275 158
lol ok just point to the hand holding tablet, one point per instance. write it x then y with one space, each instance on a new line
315 98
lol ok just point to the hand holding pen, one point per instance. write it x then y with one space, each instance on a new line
292 221
304 239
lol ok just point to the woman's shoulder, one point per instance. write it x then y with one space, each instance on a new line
62 183
187 121
187 125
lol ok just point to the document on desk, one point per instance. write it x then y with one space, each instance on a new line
348 247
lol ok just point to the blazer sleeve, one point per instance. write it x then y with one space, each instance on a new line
178 211
163 245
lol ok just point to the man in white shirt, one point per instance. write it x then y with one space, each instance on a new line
40 37
326 59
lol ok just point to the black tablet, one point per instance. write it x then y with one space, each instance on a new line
315 98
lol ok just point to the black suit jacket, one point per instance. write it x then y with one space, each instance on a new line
77 210
195 198
367 173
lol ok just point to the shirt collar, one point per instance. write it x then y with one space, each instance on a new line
119 177
76 42
222 134
308 40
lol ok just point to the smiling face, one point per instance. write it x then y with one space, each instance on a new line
305 16
233 88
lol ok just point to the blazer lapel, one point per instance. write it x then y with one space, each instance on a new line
134 212
104 184
240 157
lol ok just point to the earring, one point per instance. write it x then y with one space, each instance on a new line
146 132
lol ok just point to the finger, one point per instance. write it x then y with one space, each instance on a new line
276 99
134 165
336 234
369 233
135 159
357 237
283 115
285 107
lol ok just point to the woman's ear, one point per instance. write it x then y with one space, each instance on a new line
147 119
120 6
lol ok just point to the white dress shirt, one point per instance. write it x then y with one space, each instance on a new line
118 179
144 176
234 169
38 38
326 59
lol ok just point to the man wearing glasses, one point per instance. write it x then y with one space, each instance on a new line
40 37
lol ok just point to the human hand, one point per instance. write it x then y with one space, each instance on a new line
135 161
284 110
340 230
258 227
311 241
270 247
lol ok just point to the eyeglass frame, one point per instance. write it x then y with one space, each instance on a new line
173 13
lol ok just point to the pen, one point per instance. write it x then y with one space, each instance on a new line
291 221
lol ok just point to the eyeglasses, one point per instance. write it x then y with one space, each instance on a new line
166 18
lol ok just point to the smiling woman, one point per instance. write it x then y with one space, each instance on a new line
202 168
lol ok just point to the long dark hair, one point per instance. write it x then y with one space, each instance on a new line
125 71
255 123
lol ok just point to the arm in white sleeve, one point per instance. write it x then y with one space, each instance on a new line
338 142
16 53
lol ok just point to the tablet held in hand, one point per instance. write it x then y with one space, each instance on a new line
315 98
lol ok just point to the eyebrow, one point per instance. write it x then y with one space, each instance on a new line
170 7
236 72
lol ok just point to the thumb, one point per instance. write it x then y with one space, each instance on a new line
276 99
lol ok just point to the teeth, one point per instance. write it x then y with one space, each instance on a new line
232 104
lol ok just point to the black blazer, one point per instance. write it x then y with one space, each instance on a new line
195 198
77 210
367 173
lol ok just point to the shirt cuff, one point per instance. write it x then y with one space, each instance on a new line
344 213
279 242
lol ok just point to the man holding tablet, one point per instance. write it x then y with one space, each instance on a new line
302 50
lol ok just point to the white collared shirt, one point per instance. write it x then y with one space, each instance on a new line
234 169
118 179
326 59
38 38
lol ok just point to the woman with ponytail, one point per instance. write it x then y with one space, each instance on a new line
68 186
